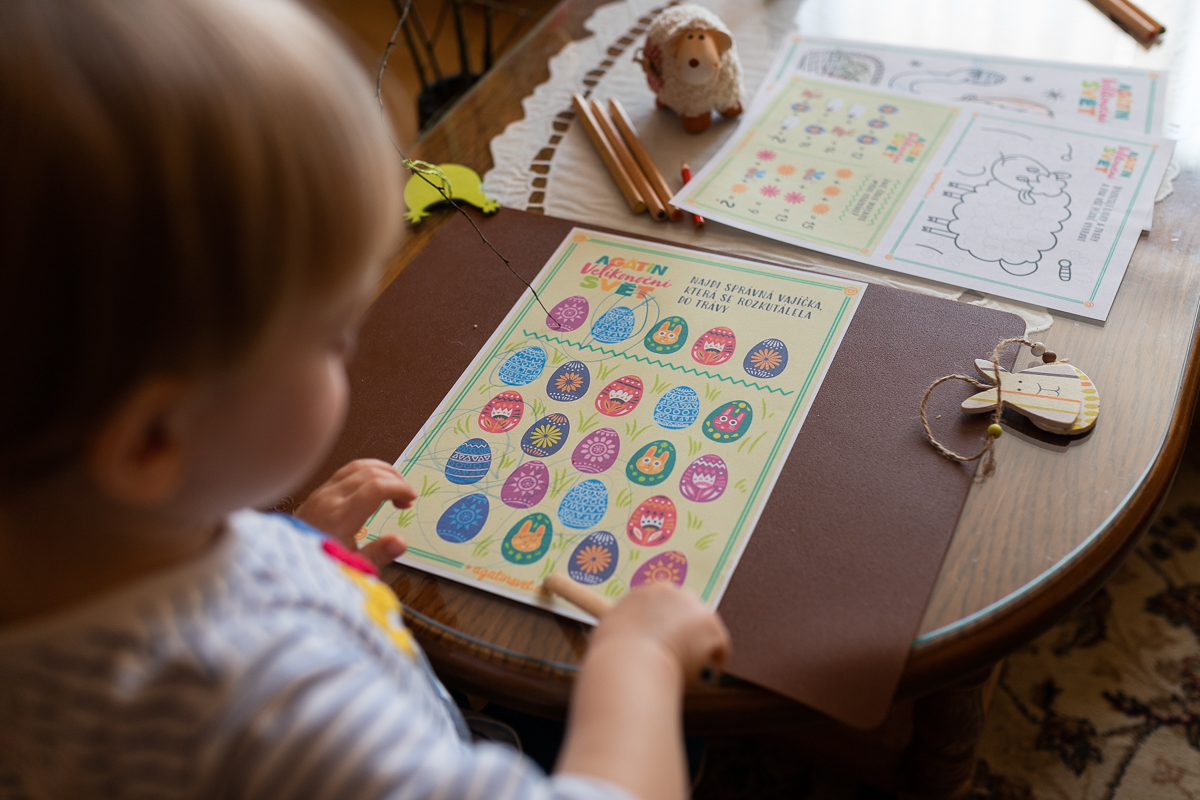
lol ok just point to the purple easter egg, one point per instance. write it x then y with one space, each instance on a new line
568 315
704 479
668 567
526 486
597 452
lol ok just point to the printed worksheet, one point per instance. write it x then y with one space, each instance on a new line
1095 98
632 434
1010 205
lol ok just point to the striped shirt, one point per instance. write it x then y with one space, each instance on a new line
269 667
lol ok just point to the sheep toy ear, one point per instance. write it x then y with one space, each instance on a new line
724 41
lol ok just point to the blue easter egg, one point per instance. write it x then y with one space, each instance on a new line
528 540
469 462
464 519
766 359
584 505
614 325
678 408
546 436
569 382
594 559
523 366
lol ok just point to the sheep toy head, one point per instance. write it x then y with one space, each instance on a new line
1028 178
692 66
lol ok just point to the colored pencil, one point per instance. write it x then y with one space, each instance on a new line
625 125
584 113
627 161
697 220
1131 19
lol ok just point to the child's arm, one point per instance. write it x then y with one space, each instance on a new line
626 720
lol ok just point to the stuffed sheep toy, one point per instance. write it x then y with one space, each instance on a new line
692 66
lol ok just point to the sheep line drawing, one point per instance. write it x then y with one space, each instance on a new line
1012 219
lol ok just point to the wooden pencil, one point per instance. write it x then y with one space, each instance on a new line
607 155
653 203
575 594
625 125
1131 19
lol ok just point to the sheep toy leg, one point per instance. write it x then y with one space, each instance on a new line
697 124
732 111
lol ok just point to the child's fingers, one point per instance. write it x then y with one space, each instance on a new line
384 550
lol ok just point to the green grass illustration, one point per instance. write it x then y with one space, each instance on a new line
586 425
463 427
659 385
711 392
633 431
756 440
694 446
427 487
694 522
537 407
405 517
484 388
558 357
602 372
481 549
547 568
766 414
705 541
561 480
614 590
504 462
741 486
508 348
624 498
634 555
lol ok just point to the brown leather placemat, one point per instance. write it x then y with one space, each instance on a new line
832 585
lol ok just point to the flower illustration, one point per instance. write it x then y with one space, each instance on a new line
738 188
569 381
766 155
794 197
786 169
765 358
593 559
546 436
820 208
769 191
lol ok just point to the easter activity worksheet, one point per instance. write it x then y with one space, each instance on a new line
1011 205
630 435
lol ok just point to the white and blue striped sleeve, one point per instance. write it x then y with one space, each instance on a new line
313 717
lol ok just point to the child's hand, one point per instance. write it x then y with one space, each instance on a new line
343 504
668 618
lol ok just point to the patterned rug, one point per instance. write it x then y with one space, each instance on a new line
1104 706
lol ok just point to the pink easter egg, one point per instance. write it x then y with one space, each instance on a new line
715 346
704 480
668 567
652 522
568 315
526 486
597 452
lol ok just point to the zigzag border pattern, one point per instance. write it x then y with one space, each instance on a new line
546 338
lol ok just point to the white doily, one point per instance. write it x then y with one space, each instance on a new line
545 162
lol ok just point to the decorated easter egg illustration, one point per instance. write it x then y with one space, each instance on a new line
463 519
594 560
678 408
597 451
715 346
569 382
584 505
705 479
668 567
546 436
568 315
652 522
523 366
766 359
728 422
667 336
526 486
652 464
502 413
469 462
528 540
614 325
620 397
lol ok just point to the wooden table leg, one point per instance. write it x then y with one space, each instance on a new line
939 762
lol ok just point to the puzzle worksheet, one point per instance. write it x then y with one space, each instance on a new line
1011 205
630 435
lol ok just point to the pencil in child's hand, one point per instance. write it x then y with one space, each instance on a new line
697 220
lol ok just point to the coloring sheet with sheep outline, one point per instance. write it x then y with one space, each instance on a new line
1034 212
1023 209
632 436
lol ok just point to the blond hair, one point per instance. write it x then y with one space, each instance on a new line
173 174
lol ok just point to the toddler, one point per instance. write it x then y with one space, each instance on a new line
196 197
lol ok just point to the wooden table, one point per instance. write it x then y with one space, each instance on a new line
1033 541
